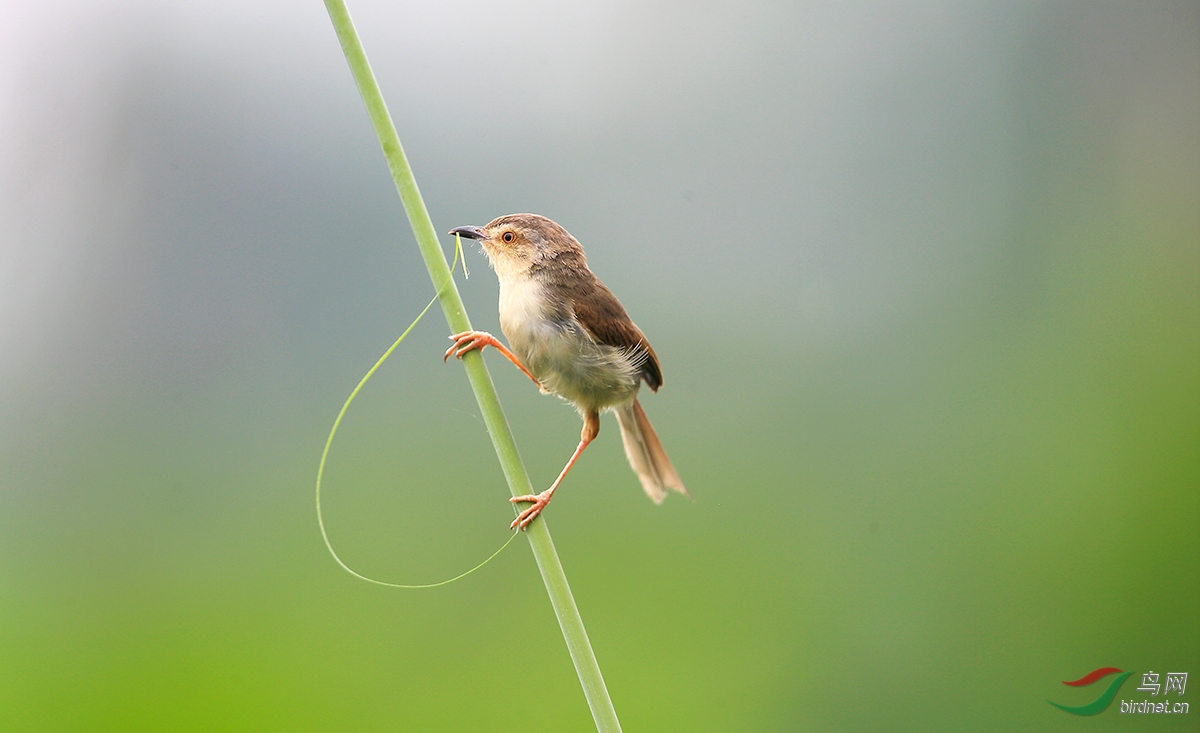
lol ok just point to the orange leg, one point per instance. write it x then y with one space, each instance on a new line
591 428
468 340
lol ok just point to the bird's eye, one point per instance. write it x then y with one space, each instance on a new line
508 236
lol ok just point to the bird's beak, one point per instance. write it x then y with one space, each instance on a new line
470 232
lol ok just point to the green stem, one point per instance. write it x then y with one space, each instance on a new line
481 382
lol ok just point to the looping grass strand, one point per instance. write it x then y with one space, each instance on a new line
333 431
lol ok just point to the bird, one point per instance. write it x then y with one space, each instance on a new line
572 337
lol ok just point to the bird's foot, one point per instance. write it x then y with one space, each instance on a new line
468 340
529 514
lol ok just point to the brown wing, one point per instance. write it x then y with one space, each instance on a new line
599 311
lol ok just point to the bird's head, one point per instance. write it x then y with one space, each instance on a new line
516 242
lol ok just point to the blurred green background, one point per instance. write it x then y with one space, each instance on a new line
924 280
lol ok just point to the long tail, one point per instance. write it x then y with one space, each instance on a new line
646 454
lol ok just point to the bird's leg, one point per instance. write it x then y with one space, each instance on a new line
591 428
468 340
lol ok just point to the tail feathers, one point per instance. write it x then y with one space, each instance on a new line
646 454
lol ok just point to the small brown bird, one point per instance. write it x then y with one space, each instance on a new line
573 338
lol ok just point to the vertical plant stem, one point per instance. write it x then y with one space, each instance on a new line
481 382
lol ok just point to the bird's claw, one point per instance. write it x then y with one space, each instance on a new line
470 340
466 341
539 502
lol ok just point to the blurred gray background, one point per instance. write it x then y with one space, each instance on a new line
923 279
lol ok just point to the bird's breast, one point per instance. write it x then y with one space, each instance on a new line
523 312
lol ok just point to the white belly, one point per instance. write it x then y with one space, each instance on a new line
561 354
